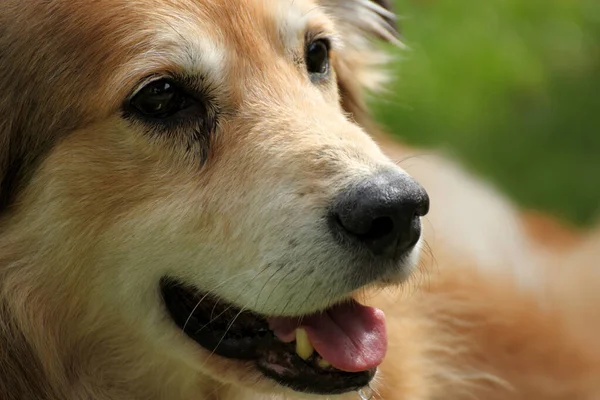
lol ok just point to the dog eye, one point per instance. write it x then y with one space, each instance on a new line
160 99
317 57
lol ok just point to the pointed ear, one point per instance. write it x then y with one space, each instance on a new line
359 64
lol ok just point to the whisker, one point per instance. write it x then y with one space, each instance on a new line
280 282
267 282
225 334
231 305
211 292
412 157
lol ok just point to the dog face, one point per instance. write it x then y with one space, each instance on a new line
188 175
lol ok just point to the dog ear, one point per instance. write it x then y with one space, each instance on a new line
359 64
371 17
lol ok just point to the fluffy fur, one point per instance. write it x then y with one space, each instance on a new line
95 208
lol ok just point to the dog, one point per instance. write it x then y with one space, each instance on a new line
196 204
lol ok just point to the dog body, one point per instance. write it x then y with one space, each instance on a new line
219 144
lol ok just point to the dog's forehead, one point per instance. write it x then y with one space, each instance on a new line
206 35
207 38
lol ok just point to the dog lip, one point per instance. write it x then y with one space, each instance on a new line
213 331
229 332
312 380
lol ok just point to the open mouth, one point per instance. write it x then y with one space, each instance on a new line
331 352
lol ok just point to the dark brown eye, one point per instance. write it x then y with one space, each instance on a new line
160 99
317 58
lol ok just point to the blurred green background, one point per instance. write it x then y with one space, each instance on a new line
509 87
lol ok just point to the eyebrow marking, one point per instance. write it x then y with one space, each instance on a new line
293 22
299 25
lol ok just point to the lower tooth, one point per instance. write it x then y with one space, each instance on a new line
304 348
365 393
323 363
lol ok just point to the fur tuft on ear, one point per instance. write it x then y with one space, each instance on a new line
359 65
370 17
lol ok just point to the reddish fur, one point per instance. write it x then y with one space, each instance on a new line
467 331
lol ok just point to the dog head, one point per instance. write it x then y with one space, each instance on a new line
185 177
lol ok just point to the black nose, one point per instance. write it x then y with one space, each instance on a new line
381 213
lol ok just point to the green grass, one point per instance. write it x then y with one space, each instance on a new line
512 89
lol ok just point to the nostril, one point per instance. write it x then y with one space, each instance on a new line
380 228
375 229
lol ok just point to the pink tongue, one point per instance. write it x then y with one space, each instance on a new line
352 337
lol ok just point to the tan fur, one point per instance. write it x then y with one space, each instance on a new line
93 212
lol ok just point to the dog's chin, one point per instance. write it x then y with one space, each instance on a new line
269 343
